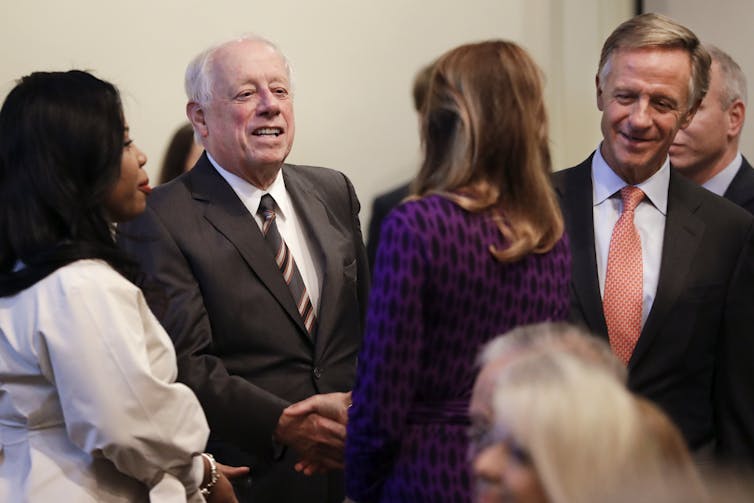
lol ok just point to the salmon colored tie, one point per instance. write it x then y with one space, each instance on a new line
624 279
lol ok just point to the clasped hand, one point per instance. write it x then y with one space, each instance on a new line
316 429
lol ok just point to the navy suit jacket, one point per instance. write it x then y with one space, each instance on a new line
380 208
695 354
741 189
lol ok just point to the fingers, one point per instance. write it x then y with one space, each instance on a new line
306 406
233 472
332 405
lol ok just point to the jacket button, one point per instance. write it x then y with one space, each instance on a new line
317 372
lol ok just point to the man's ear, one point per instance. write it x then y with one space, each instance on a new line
600 103
736 118
195 114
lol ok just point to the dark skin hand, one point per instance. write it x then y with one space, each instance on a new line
222 491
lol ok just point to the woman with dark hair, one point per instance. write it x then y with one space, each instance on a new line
89 407
182 153
477 251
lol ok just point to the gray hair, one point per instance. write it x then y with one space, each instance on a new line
560 337
198 79
734 79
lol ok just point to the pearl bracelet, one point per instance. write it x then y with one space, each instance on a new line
213 475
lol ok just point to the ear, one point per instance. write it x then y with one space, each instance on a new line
736 117
195 114
600 104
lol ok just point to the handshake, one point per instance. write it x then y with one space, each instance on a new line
316 429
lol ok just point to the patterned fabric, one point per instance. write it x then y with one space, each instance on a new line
438 296
624 280
284 260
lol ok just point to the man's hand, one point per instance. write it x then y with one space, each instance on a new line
316 429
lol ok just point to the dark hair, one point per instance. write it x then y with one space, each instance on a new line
61 143
178 150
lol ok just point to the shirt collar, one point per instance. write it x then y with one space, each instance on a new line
721 181
251 195
605 183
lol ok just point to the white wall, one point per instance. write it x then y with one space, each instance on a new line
354 63
726 24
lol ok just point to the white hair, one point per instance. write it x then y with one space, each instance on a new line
550 336
198 78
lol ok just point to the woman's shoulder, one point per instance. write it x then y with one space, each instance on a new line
92 274
427 209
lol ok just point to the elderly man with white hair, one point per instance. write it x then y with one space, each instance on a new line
262 279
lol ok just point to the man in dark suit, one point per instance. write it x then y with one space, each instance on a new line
706 151
264 276
662 267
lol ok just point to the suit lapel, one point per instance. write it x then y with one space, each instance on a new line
325 242
683 234
576 196
226 213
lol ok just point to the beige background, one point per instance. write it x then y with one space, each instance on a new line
354 62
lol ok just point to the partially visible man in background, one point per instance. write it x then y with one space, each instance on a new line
707 150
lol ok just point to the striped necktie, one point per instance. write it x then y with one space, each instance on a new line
286 264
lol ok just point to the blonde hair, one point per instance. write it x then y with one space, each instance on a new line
583 431
484 132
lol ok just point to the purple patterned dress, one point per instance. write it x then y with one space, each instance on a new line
438 295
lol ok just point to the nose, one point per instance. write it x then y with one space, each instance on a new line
641 117
141 157
268 103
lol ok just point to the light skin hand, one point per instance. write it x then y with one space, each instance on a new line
316 429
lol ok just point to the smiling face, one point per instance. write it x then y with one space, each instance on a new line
128 197
247 125
644 99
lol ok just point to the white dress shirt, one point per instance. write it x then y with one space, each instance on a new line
719 183
649 219
287 220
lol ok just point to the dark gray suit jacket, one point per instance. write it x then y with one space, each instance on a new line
695 354
741 189
381 206
241 344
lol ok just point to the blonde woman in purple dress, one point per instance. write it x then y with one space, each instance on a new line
478 250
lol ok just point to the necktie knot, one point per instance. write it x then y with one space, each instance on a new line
631 196
266 207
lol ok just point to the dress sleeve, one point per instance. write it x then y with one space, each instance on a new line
114 369
388 363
